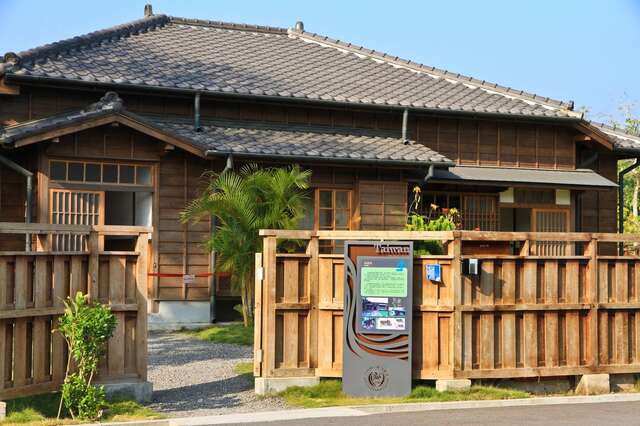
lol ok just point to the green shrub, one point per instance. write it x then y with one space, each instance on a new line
86 328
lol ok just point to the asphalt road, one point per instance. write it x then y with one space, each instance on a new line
608 413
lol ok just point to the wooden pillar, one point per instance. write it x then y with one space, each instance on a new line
591 355
258 317
142 267
455 250
269 289
94 265
313 250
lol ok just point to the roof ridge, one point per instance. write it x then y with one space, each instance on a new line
228 25
121 30
614 128
360 50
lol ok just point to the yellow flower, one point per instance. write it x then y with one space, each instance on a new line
416 189
434 206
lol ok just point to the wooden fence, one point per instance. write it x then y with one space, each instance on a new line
33 286
523 315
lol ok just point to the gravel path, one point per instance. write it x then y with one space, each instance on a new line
192 377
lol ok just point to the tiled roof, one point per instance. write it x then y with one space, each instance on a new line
176 53
108 104
623 141
251 139
310 142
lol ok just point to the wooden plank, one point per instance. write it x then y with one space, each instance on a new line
573 342
258 314
621 342
509 282
142 268
530 356
116 357
21 282
486 296
455 250
93 244
290 338
603 338
551 281
313 270
269 259
20 361
622 275
40 325
5 354
509 340
551 339
487 337
529 282
77 278
572 282
290 285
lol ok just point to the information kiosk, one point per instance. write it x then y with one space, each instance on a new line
377 318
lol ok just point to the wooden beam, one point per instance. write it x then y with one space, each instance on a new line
8 89
582 138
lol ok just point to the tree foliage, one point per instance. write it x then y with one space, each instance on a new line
86 327
242 203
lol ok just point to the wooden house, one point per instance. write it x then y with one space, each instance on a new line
117 126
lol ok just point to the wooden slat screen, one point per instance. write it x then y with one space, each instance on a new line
480 212
74 208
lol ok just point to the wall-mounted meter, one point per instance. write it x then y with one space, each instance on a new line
471 266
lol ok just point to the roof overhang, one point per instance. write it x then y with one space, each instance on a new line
511 177
80 123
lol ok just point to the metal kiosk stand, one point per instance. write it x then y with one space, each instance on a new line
378 304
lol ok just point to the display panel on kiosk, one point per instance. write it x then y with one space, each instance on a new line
383 294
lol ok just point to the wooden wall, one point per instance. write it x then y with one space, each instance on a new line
180 248
467 141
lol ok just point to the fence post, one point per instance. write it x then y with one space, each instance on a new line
269 307
257 318
314 274
142 245
94 265
455 250
592 356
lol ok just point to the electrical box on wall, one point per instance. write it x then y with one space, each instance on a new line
471 266
434 272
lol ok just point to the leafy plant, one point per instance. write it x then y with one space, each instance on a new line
417 222
243 203
86 327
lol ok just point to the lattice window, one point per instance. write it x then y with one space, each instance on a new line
480 212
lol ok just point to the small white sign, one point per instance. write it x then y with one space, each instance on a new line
188 279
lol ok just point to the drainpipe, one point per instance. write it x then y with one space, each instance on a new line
196 113
213 279
621 200
24 172
405 119
429 174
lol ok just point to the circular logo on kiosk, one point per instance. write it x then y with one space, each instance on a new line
376 378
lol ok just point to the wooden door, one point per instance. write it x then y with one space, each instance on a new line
70 207
550 220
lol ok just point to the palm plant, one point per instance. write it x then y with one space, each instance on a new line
243 203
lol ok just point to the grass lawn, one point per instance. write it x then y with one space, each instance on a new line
235 333
42 410
329 393
244 368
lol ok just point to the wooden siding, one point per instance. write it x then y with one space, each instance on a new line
179 246
466 141
107 142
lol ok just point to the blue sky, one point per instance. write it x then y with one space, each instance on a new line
586 51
